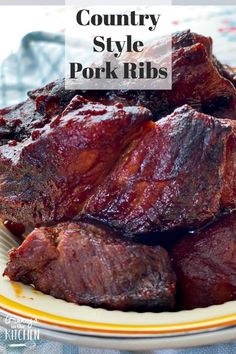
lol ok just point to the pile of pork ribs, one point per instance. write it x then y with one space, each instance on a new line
130 194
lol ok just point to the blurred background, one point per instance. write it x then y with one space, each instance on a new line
32 42
32 49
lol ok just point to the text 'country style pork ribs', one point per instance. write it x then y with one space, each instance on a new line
49 176
205 264
91 265
175 176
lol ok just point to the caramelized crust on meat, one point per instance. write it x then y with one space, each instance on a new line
49 176
172 177
44 180
99 156
198 80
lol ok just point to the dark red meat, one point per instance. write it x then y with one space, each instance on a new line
40 181
172 177
48 177
17 122
91 265
198 80
205 264
228 198
99 153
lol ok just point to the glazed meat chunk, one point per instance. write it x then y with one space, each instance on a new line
198 80
205 264
49 176
51 162
172 177
92 265
18 121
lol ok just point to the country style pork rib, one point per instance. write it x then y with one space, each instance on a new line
205 264
18 122
180 174
91 265
40 183
48 176
198 79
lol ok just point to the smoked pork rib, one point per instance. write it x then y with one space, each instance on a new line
198 80
205 264
91 265
173 177
24 129
49 176
19 121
